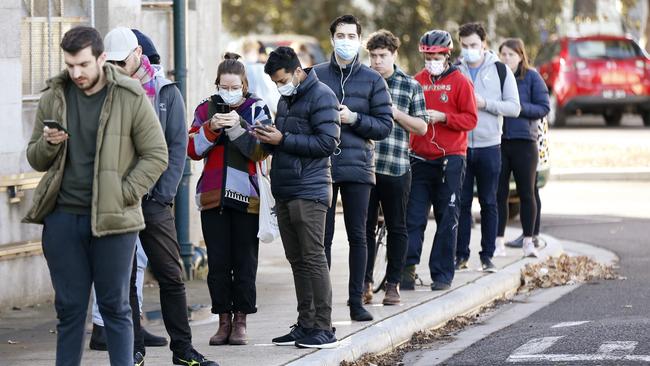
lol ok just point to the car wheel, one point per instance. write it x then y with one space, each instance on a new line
646 118
613 117
556 116
513 210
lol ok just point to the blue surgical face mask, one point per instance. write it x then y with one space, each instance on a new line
231 97
346 48
471 55
288 89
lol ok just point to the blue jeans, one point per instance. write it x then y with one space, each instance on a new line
76 259
438 183
483 166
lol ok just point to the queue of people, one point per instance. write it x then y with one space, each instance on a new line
383 140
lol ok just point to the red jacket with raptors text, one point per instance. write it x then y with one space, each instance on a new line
452 94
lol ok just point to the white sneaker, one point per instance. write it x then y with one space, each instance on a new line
499 250
530 250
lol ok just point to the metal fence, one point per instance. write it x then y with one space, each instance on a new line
42 29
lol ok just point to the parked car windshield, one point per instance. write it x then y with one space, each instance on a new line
604 49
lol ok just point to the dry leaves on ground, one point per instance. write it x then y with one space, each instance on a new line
563 270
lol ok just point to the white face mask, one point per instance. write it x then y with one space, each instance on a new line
231 97
346 48
288 89
471 55
435 67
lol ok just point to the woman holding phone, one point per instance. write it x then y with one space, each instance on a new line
519 153
228 195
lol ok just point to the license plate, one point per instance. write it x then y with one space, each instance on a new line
614 94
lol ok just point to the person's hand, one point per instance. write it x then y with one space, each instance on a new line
436 116
396 113
346 115
480 101
54 136
223 120
268 135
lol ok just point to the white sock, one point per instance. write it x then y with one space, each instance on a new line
528 240
500 241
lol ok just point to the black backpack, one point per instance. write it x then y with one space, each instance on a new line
501 70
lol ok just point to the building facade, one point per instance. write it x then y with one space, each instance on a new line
30 33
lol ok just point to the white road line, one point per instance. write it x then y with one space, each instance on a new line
535 346
569 324
608 351
575 358
619 349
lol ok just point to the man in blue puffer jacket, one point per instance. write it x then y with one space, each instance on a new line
306 133
366 114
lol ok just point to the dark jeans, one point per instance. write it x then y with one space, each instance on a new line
76 260
161 246
302 228
355 197
483 166
231 239
438 183
393 194
519 158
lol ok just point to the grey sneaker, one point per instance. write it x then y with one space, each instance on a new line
461 264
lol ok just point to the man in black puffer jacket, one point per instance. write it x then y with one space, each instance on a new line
366 115
306 133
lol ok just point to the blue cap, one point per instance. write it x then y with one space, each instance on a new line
148 49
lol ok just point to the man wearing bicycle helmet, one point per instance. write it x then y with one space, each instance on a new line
438 160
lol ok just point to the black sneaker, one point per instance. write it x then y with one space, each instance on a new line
297 332
359 313
461 264
138 359
98 338
439 286
318 338
488 266
192 357
151 340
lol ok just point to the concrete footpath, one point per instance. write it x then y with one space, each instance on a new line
27 335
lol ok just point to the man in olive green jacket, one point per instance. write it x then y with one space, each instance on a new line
108 151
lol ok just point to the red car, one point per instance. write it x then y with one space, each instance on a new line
606 75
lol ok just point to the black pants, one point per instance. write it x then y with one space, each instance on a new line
161 246
77 259
538 217
355 197
302 228
519 158
393 194
231 239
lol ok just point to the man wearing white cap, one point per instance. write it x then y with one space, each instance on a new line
158 239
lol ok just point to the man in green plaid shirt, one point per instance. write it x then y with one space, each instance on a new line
392 167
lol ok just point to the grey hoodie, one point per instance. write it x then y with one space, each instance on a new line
490 118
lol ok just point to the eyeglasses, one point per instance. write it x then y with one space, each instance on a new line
123 62
230 88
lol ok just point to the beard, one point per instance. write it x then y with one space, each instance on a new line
91 82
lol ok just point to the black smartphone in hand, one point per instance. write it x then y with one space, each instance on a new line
222 108
52 124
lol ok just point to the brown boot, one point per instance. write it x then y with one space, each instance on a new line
238 334
392 294
222 334
367 293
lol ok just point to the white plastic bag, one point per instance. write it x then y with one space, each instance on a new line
268 230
